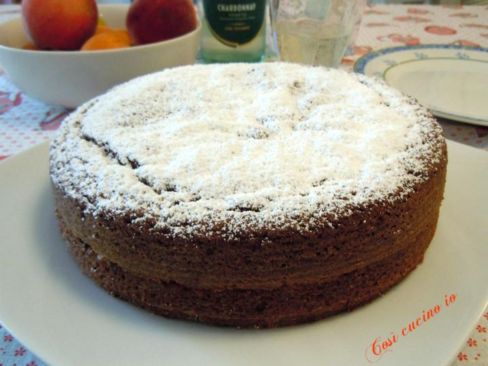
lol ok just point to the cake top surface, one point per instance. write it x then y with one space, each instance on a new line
208 149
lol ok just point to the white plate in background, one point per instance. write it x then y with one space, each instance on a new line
452 81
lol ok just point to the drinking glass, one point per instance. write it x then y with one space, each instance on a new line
315 32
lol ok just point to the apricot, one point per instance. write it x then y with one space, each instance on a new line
151 21
30 46
102 29
107 39
59 24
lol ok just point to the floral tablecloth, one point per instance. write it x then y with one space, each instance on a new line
25 122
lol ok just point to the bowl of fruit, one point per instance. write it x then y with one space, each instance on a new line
68 51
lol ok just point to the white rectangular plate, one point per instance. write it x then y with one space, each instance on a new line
67 320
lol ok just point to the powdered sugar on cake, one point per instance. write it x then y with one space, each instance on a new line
220 148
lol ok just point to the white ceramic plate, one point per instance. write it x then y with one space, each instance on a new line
452 81
66 319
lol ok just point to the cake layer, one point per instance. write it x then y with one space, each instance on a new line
285 305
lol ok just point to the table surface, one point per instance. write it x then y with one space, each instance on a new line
25 122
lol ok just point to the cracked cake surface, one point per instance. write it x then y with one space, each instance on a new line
249 194
226 148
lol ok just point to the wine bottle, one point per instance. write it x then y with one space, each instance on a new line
233 30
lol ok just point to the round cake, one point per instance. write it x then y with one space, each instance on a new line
249 195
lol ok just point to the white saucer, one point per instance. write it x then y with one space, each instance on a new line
63 317
452 81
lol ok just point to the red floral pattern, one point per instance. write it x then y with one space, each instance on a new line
472 342
52 120
466 43
12 353
440 30
406 39
7 101
20 351
8 338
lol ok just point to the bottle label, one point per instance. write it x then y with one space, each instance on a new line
234 22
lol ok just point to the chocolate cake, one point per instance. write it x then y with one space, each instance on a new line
249 195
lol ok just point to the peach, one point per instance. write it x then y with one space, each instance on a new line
60 24
158 20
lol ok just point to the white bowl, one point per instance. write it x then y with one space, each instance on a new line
70 78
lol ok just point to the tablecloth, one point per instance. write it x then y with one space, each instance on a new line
25 122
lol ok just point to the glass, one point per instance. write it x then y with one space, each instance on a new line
315 32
